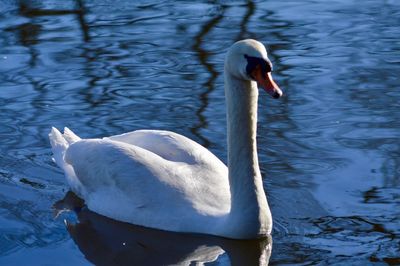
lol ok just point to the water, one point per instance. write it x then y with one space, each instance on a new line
329 150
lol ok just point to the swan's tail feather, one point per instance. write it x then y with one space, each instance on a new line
70 136
60 143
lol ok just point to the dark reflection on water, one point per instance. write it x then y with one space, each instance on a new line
107 242
203 57
329 150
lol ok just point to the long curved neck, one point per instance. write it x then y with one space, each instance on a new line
249 207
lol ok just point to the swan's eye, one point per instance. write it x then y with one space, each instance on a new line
253 62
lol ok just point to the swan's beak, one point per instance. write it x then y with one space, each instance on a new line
267 83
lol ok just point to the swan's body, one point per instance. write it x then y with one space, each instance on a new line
164 180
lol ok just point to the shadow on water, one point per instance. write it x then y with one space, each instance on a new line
28 35
27 9
203 56
104 241
244 33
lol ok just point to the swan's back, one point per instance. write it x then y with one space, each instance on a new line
170 146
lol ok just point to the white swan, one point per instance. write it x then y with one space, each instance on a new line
163 180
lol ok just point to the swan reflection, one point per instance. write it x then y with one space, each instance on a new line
104 241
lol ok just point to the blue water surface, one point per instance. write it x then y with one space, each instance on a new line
329 150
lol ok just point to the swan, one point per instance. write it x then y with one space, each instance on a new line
163 180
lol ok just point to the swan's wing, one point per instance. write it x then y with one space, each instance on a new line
102 163
169 145
132 184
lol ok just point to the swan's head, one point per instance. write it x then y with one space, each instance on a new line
248 60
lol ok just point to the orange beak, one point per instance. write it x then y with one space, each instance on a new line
265 81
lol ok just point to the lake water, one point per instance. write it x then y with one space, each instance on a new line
329 150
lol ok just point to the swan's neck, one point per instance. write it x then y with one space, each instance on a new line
249 207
